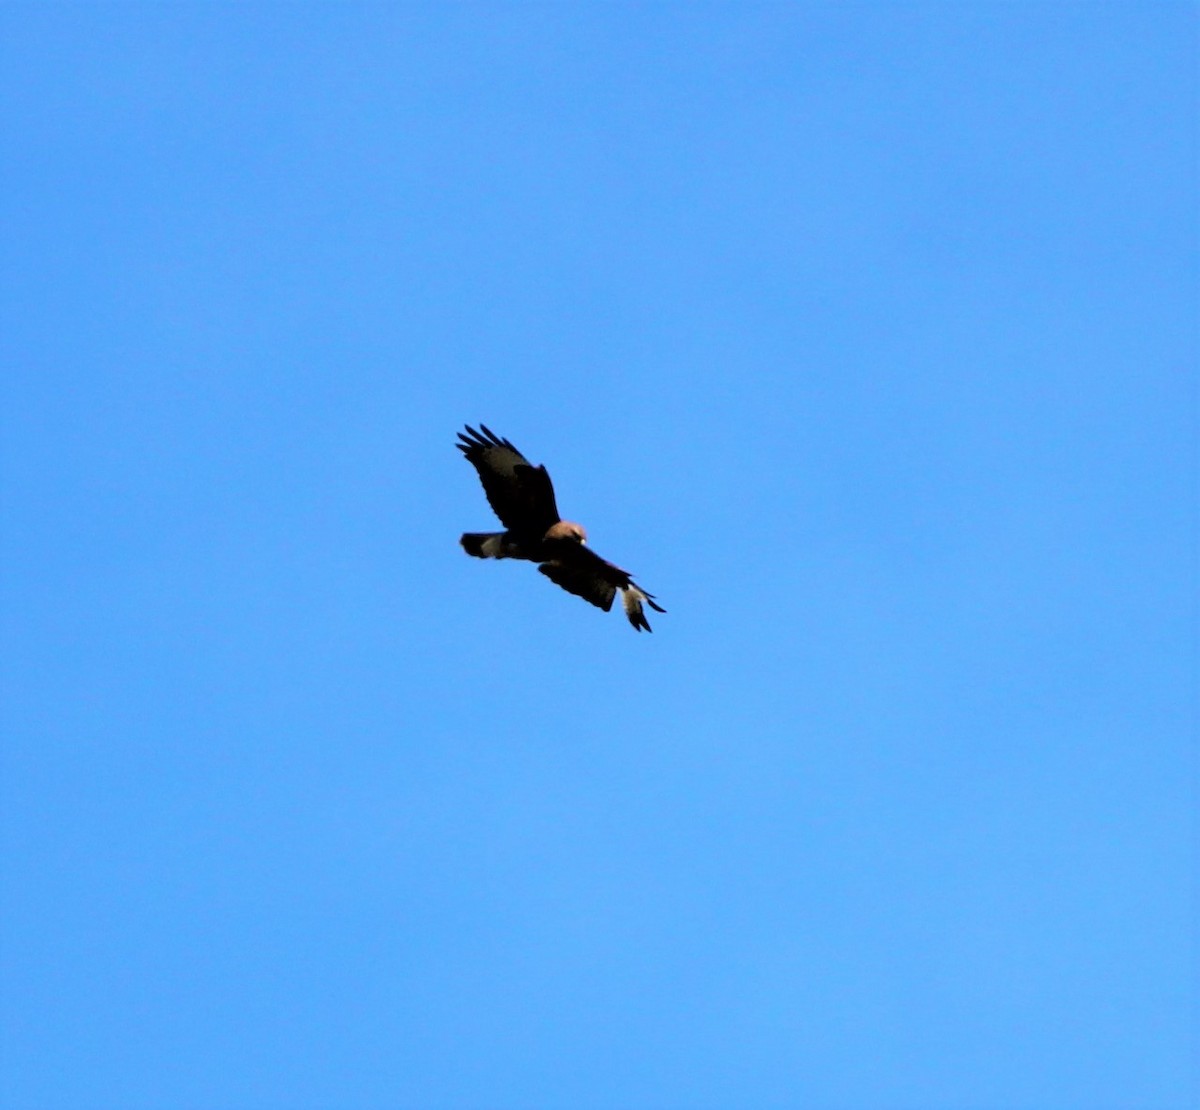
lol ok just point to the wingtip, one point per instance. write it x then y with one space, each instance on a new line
648 598
481 437
632 597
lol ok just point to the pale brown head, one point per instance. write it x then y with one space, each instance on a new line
566 530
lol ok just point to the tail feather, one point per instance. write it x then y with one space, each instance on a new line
484 545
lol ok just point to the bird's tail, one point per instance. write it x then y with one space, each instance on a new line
484 545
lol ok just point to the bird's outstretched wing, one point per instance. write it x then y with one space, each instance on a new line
519 493
580 571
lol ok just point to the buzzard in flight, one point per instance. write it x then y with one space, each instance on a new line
521 495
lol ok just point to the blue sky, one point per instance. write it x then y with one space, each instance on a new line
864 334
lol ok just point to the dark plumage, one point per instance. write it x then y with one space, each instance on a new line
522 496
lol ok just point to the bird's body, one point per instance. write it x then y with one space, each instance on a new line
522 496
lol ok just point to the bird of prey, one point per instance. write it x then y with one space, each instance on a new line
521 495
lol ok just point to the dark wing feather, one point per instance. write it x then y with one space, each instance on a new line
580 571
591 579
519 493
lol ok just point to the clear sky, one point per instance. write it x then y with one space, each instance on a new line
864 334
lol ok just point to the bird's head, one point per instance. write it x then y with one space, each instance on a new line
566 530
